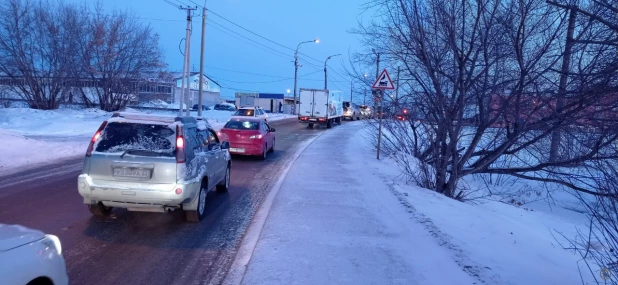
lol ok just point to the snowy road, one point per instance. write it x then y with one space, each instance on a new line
146 248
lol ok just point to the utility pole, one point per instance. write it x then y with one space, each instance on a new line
325 67
351 86
375 93
186 64
397 87
364 97
296 71
556 135
295 79
200 96
380 123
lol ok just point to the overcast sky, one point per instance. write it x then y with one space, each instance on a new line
238 59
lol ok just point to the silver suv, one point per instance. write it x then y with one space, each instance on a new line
154 164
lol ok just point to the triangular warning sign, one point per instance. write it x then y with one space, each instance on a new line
383 82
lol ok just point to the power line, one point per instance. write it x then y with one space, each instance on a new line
244 72
265 46
271 81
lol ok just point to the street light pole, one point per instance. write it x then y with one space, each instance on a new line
296 70
325 76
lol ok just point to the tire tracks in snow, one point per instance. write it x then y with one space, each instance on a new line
477 271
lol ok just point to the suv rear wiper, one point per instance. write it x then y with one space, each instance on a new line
127 150
143 151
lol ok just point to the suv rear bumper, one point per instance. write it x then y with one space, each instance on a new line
135 198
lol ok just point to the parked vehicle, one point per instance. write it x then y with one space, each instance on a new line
204 107
320 107
225 107
351 111
249 136
153 163
255 112
366 111
29 256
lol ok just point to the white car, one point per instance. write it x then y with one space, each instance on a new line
29 256
255 112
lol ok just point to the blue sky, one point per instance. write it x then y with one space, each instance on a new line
231 58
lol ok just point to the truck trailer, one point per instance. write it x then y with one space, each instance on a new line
318 106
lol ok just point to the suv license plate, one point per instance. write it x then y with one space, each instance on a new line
132 172
232 149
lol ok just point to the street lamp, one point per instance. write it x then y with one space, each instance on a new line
296 69
325 76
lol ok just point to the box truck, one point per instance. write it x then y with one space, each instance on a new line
318 106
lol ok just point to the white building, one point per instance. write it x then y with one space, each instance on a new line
270 102
211 94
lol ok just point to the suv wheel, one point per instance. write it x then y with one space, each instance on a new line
226 183
99 210
197 215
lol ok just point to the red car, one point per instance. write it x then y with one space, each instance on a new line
249 136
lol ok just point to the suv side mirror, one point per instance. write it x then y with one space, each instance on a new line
272 130
225 145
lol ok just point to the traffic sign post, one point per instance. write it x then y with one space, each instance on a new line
383 82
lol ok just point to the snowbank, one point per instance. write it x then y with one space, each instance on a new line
501 243
36 136
18 151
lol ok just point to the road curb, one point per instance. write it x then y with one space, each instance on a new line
237 271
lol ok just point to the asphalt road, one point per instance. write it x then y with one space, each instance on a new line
146 248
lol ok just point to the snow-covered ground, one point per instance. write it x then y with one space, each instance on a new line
354 220
34 137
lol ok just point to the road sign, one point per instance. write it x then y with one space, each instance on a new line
383 82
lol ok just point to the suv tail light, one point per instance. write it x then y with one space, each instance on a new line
94 139
180 146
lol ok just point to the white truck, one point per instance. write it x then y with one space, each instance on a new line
318 106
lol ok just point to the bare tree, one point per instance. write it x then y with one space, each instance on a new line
496 64
37 49
117 50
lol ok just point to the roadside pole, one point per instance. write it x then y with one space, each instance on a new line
383 82
200 96
380 123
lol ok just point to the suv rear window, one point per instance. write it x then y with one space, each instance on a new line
244 112
242 125
123 137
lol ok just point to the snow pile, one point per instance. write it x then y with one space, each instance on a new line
52 122
18 151
517 240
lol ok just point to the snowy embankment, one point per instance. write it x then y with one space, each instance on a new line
515 234
36 137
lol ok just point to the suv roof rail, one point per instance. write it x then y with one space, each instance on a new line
153 117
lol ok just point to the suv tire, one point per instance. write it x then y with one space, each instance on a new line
99 210
226 182
197 215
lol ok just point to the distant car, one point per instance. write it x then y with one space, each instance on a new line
153 163
255 112
351 111
225 107
204 107
249 136
30 256
366 111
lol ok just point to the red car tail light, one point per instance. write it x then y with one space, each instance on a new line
94 139
180 146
